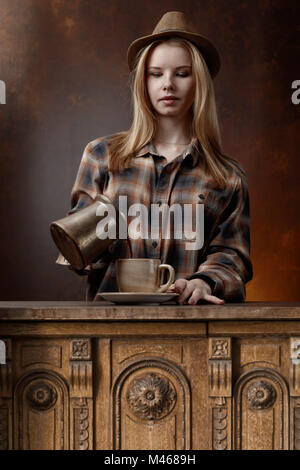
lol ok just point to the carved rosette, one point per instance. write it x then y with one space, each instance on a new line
41 396
151 397
80 349
261 395
219 348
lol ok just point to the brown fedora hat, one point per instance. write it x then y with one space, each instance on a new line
176 23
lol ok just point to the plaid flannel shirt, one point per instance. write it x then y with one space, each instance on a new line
224 259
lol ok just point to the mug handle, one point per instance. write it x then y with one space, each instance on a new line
170 281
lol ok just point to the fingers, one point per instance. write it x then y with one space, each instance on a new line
183 288
198 295
214 300
186 289
178 286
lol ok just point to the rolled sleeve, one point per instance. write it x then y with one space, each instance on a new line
88 184
89 180
227 266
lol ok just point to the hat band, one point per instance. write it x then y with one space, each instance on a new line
170 29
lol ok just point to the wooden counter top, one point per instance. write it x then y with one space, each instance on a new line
106 311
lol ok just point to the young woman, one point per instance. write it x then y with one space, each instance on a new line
172 155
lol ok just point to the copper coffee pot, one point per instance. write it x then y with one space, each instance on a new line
75 235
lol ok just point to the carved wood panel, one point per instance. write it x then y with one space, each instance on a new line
6 428
151 407
295 392
167 377
151 393
41 412
81 395
221 418
53 395
261 407
219 391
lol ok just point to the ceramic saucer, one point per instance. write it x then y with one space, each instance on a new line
147 298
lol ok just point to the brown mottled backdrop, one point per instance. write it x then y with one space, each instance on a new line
64 65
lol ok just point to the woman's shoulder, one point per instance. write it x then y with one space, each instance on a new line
98 147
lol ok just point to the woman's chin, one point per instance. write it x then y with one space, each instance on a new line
169 113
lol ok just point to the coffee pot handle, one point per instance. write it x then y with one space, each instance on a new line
170 281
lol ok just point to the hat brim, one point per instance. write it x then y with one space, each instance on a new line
207 49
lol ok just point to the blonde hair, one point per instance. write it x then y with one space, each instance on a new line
204 119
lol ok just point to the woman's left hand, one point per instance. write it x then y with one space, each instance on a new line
195 289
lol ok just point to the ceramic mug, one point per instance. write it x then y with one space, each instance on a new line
142 275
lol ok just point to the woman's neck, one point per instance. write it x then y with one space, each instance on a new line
171 130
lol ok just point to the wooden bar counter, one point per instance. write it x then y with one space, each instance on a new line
80 375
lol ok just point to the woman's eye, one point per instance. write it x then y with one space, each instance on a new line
179 74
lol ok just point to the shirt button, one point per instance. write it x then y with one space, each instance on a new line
154 244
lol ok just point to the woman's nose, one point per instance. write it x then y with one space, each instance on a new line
168 83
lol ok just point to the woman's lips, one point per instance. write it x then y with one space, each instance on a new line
169 101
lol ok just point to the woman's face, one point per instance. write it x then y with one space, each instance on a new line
169 74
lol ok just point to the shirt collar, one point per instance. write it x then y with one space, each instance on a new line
191 149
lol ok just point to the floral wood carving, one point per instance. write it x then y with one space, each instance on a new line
80 349
219 348
41 396
151 396
261 395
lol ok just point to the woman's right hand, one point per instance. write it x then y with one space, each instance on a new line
194 290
